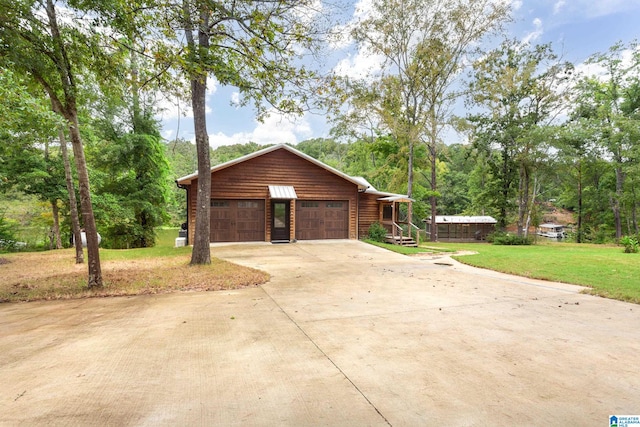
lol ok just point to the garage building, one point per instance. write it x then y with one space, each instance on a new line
279 194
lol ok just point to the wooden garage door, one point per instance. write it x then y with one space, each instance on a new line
322 219
237 220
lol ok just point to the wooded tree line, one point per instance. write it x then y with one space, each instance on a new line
89 72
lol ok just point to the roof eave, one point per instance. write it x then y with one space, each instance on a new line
187 179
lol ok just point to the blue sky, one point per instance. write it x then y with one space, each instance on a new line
576 29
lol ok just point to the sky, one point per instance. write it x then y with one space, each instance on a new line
575 28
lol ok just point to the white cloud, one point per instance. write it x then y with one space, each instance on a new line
235 98
168 134
173 107
340 37
360 66
516 4
557 7
535 34
276 129
602 73
362 9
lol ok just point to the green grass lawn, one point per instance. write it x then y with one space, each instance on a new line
164 247
404 250
606 269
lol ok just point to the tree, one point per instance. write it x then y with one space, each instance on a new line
577 152
71 191
425 44
520 89
37 44
609 101
251 45
129 168
129 173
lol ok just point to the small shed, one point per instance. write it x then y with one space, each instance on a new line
461 227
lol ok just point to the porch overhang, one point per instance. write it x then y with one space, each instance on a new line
397 198
282 192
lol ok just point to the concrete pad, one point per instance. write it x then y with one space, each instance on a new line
344 334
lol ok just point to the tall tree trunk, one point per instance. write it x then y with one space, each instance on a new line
91 232
201 253
73 204
536 190
634 211
432 199
410 186
70 111
579 234
523 199
616 201
56 223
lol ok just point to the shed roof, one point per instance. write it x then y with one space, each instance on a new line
463 219
283 192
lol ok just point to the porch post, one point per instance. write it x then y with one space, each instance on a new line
393 218
409 217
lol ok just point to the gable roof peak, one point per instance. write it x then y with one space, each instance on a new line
186 180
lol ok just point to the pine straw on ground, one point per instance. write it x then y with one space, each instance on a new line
54 275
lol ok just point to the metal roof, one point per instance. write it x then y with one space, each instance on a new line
463 219
396 198
285 192
364 183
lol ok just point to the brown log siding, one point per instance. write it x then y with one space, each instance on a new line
369 213
249 180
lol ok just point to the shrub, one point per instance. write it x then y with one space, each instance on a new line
377 232
630 244
8 240
499 238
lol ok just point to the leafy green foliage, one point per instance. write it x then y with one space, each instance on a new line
131 186
519 89
377 232
631 244
606 112
7 233
508 239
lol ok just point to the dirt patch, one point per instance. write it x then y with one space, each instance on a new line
4 261
54 275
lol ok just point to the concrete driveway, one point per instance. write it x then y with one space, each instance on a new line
343 334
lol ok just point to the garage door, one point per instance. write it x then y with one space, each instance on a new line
322 219
237 220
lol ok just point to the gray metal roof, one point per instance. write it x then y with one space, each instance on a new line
285 192
463 219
